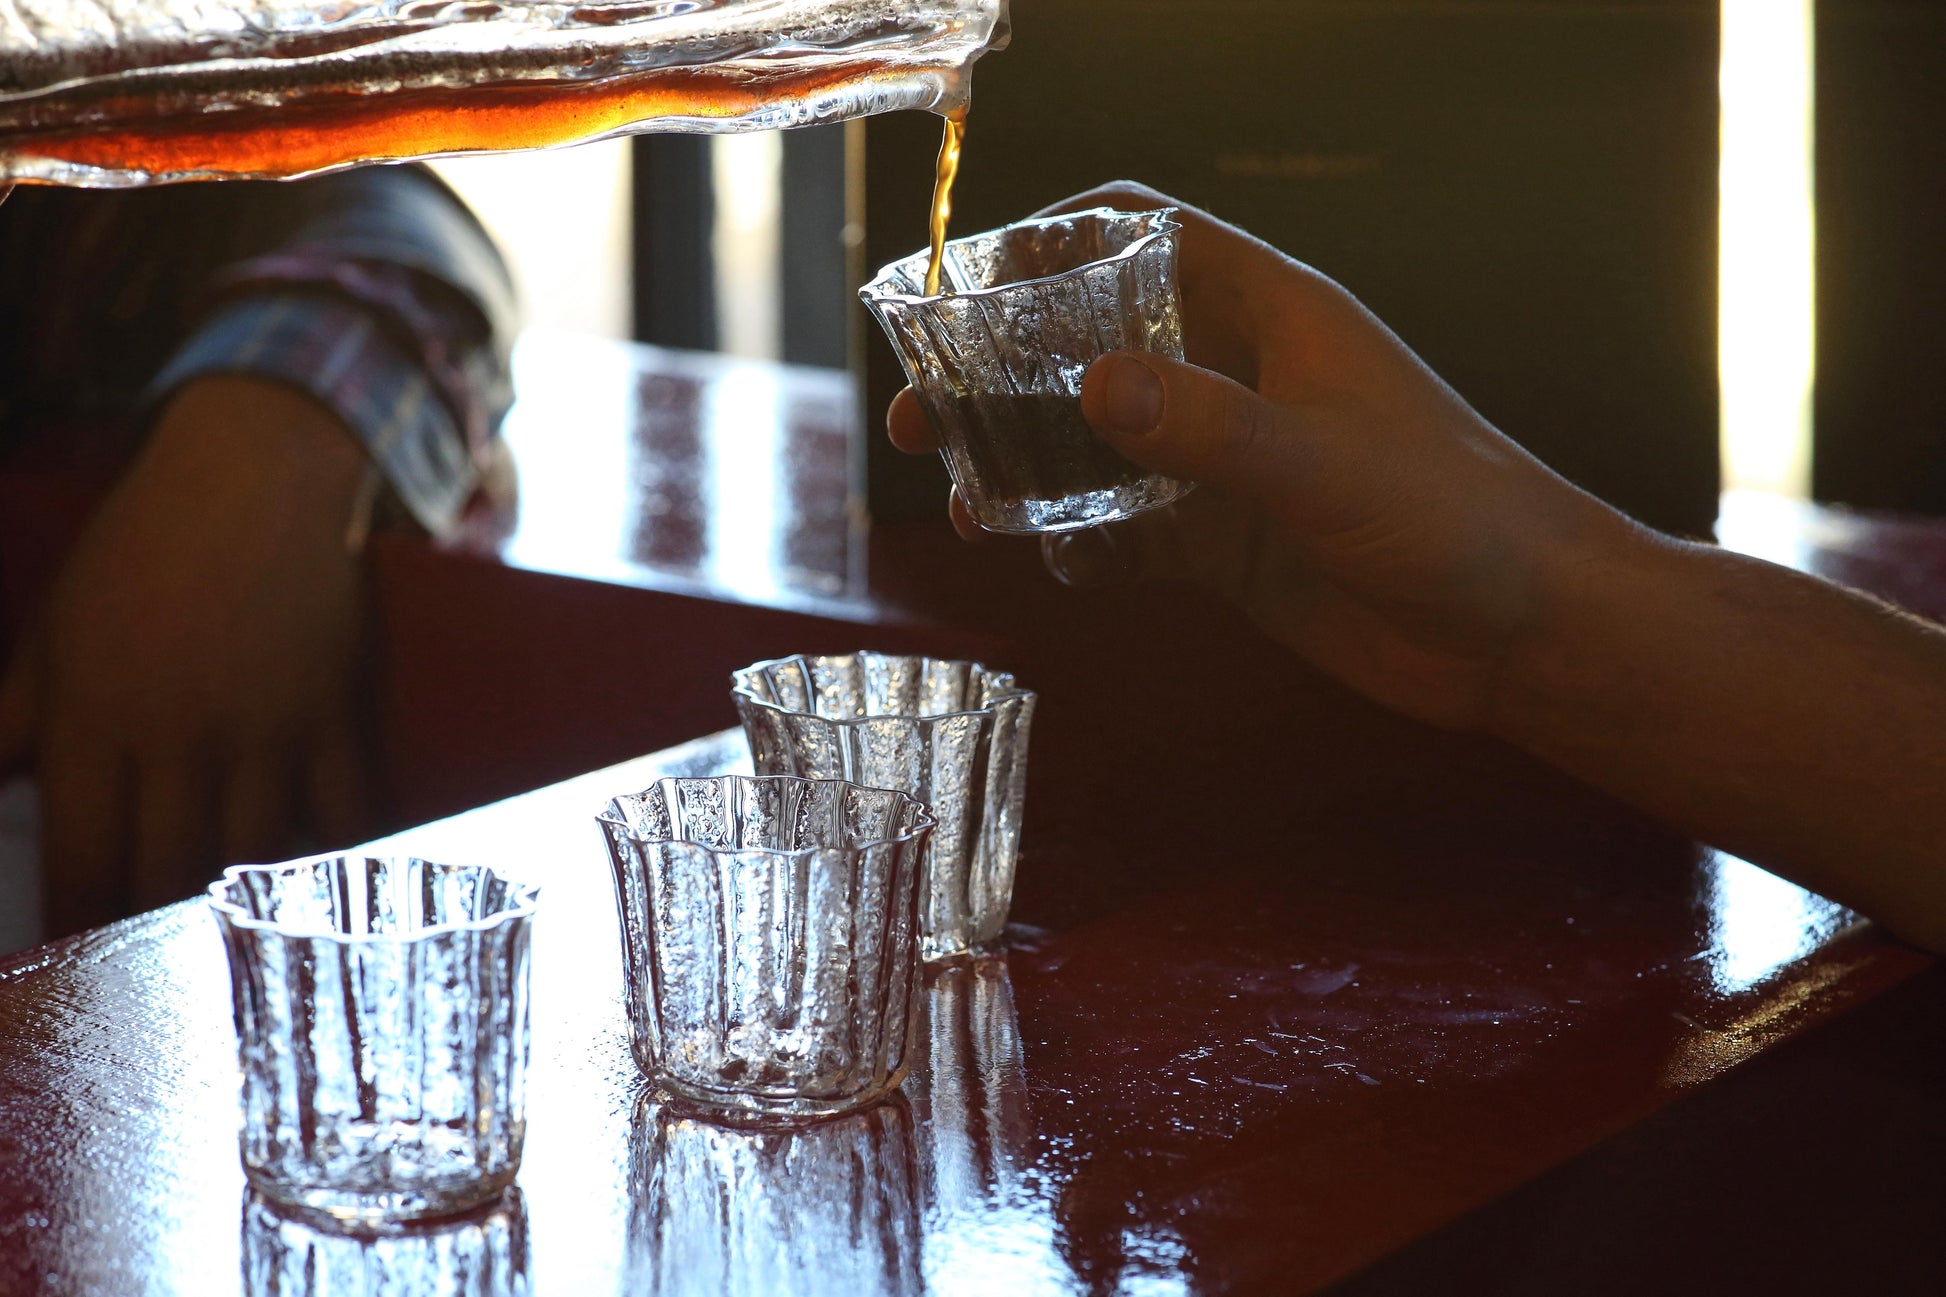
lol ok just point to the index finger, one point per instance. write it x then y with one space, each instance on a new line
1233 284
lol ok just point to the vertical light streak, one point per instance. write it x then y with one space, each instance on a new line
1765 326
748 173
561 217
744 445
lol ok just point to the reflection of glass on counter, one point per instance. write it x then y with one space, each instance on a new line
969 1089
718 1211
144 91
480 1254
989 1208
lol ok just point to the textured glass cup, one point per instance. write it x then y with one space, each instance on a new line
770 937
482 1253
381 1013
952 734
997 359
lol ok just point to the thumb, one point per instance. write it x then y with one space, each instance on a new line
1191 423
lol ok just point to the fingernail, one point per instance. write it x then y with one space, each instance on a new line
1132 397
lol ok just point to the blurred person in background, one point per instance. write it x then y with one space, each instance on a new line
262 373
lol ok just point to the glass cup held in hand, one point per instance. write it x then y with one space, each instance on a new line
952 734
770 937
997 360
382 1027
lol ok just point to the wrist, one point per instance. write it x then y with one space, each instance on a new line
1603 572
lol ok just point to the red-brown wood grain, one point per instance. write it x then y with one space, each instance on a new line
1296 990
1229 1068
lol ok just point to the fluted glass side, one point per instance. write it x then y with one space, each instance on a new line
997 360
770 932
480 1254
951 734
826 1208
382 1030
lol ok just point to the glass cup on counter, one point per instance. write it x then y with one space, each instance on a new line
770 935
951 734
382 1027
997 359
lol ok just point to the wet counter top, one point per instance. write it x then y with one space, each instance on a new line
1299 996
1261 1075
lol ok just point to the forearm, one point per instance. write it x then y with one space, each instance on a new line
237 437
335 353
1792 722
384 302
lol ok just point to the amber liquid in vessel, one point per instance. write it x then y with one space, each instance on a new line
296 139
1037 446
1029 446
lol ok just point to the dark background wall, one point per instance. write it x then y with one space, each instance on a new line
1880 405
1525 190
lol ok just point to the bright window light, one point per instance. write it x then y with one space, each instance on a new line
1764 285
561 217
748 174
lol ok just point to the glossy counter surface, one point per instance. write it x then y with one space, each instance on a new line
1299 994
684 471
1257 1083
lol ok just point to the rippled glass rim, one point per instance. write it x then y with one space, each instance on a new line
1003 682
924 823
1165 226
524 903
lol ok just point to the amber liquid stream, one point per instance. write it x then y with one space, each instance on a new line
944 174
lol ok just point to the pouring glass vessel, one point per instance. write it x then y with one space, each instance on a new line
138 92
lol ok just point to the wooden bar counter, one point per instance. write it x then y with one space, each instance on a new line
1299 996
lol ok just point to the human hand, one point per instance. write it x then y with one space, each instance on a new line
189 691
1349 501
